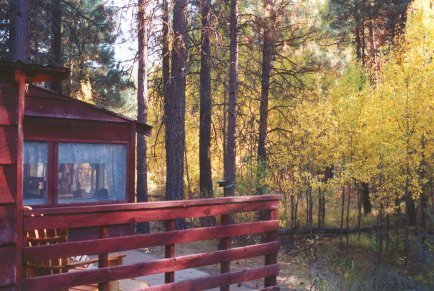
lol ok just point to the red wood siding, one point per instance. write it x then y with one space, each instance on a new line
7 264
8 231
8 186
8 144
8 105
11 112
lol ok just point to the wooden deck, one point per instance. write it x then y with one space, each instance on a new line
104 216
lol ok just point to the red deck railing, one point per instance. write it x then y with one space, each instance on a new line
104 216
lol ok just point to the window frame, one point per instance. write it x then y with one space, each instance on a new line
52 172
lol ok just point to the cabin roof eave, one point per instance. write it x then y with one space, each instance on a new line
32 92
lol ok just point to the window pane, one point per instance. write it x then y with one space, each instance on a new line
91 172
35 169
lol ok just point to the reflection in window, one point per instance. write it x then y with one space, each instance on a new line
35 173
91 172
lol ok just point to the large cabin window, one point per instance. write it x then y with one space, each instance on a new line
35 173
73 173
91 172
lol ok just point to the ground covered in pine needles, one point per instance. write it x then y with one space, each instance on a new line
325 264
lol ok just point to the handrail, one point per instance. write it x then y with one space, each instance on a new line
104 216
149 205
115 214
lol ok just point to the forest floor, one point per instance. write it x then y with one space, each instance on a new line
322 264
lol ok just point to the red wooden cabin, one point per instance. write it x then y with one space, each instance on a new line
74 164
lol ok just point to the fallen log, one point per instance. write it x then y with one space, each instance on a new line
327 230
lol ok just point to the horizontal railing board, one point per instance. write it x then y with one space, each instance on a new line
147 268
79 219
214 281
272 288
150 205
116 244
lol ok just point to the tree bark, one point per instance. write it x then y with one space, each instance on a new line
342 214
366 200
175 105
267 55
205 180
165 52
56 41
348 218
19 42
142 106
229 163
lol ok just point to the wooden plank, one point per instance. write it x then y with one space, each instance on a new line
125 217
155 205
116 244
169 251
214 281
8 103
8 144
7 264
8 183
146 268
8 220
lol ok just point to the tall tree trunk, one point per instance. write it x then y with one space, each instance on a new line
422 175
319 208
410 207
375 63
165 52
205 180
142 106
359 210
187 175
267 54
366 200
310 212
358 39
175 114
292 211
56 41
19 42
229 163
348 218
342 214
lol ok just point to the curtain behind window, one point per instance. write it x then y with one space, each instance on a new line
112 156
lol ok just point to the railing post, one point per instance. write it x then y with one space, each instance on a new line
271 236
103 259
169 277
225 243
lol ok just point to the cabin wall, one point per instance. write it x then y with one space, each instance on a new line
12 87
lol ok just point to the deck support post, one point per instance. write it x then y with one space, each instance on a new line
103 260
169 277
224 244
269 237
